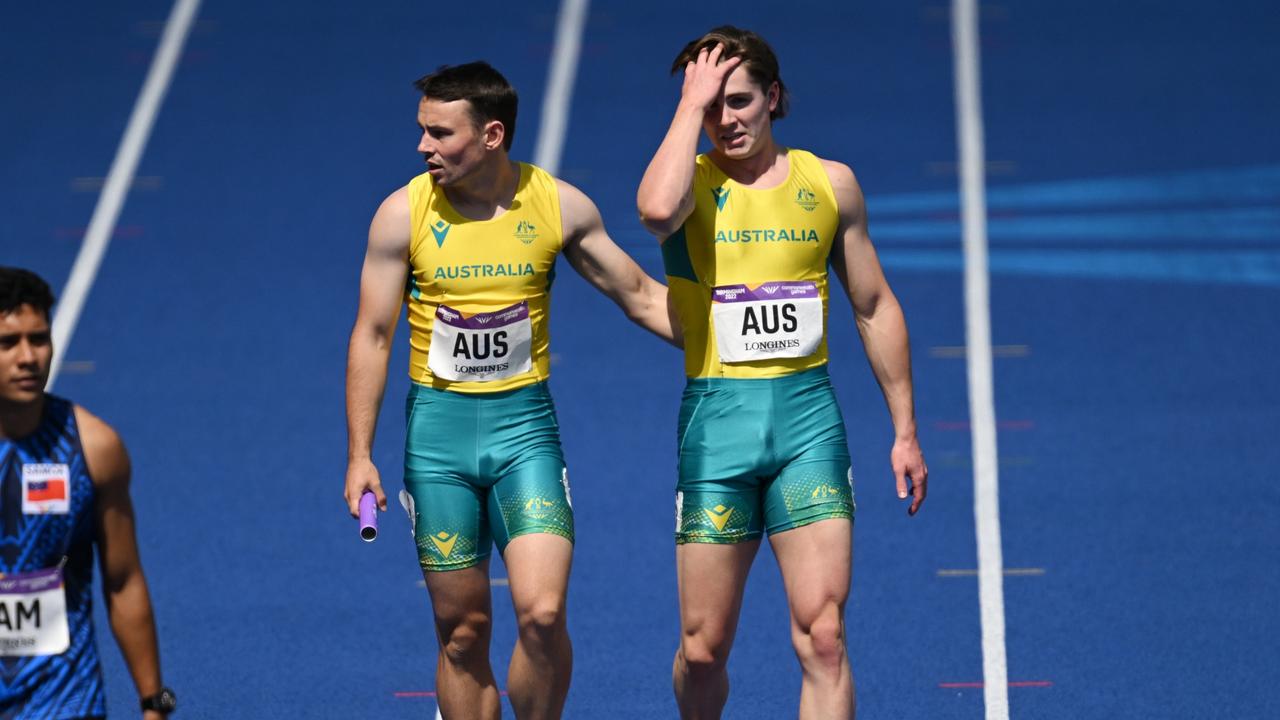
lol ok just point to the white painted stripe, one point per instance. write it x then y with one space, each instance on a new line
120 177
564 68
986 498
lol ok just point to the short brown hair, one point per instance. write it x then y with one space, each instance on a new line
757 58
490 95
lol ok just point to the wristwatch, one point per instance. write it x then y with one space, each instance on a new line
163 702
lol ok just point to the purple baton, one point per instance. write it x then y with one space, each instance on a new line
368 517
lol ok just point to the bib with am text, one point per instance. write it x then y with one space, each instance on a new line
33 614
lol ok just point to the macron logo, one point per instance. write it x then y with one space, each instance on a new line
719 516
444 542
722 195
440 230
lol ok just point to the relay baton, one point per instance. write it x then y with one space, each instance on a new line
368 517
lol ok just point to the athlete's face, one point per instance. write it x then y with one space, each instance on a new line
26 351
738 121
451 143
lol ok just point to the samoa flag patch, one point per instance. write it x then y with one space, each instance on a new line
46 489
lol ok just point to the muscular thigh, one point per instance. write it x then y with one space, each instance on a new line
722 453
814 480
533 497
449 523
480 468
760 455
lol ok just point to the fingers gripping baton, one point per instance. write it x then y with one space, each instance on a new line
368 517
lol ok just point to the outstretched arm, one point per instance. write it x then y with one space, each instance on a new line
665 197
124 588
602 263
882 327
386 266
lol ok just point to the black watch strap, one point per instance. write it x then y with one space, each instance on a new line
163 702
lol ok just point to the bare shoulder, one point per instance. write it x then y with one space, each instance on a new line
392 228
571 198
845 186
104 451
577 212
395 208
397 202
841 175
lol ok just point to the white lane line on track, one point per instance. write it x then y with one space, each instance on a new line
564 68
119 179
986 497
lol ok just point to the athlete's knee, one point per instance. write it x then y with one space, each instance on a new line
465 641
703 655
542 619
819 637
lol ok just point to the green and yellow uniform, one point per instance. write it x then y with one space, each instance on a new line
482 452
762 444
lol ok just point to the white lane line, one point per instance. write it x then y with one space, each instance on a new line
564 68
120 177
986 497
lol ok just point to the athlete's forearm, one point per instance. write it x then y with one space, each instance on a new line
884 336
133 625
366 382
649 309
664 190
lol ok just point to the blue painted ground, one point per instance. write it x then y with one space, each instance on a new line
1136 252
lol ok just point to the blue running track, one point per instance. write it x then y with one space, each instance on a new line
1134 181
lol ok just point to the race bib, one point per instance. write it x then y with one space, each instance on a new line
771 321
482 347
33 614
46 489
